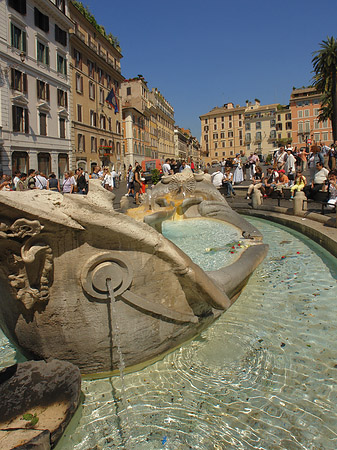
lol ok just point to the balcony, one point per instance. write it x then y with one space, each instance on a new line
103 55
80 35
93 46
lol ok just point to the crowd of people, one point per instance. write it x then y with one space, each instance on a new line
72 182
286 171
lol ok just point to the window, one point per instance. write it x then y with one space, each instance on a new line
230 125
60 35
230 134
61 64
279 127
80 143
18 5
43 124
20 119
215 145
101 76
41 20
307 126
240 123
288 116
247 126
215 135
273 134
206 121
91 69
279 117
91 90
258 136
18 81
222 126
215 127
222 135
258 125
42 90
306 113
248 137
222 118
18 38
231 143
102 121
325 136
79 113
61 5
205 129
101 96
62 124
230 117
79 83
300 114
325 124
62 98
317 137
289 125
214 119
223 143
300 127
93 118
42 53
93 145
78 59
109 124
128 92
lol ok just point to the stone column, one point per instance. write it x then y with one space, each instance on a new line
33 163
299 203
54 162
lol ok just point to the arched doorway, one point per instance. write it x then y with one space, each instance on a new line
20 162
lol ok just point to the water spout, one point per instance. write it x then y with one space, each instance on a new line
115 333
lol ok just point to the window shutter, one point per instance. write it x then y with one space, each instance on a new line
12 78
47 56
82 84
24 82
38 89
12 34
26 121
58 98
66 99
47 92
24 41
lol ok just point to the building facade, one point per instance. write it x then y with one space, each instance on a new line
180 144
260 128
283 127
136 121
304 105
95 71
163 114
222 132
35 86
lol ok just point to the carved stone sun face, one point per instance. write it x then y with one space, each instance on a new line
182 182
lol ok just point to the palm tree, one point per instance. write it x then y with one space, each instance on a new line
325 79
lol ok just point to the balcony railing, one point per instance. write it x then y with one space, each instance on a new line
93 46
80 35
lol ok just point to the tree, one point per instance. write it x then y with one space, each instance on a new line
325 80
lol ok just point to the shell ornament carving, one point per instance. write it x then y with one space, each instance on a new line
182 183
27 261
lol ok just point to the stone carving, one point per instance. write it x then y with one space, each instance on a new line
28 265
59 254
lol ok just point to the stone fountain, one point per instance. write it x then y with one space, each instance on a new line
62 255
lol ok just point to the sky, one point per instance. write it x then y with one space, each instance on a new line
202 54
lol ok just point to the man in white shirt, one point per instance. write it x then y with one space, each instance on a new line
167 167
320 178
40 181
325 150
217 178
280 158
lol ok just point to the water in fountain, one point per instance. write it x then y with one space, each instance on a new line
262 377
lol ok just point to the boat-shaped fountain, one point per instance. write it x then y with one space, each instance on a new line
66 259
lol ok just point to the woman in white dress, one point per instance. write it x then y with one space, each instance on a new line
238 172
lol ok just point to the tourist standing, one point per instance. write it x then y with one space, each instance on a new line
166 167
68 183
107 182
238 173
137 184
53 183
31 182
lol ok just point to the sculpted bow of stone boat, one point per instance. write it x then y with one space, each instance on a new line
59 253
